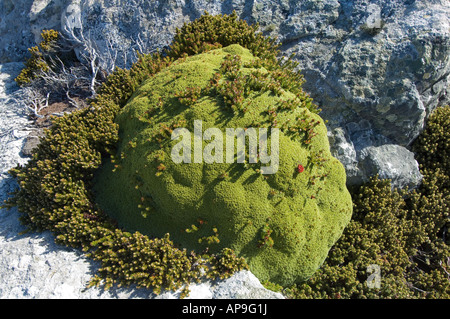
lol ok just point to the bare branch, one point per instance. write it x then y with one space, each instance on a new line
445 268
71 101
32 100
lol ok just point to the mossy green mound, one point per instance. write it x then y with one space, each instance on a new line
283 224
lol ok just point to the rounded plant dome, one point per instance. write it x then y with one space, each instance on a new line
276 196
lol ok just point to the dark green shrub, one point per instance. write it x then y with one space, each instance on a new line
404 233
38 61
209 32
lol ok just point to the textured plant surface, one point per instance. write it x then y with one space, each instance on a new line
404 233
282 223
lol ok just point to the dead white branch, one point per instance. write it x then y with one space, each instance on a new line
89 52
32 100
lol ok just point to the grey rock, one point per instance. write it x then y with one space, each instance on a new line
309 18
380 63
343 149
31 142
377 72
242 285
384 64
392 162
365 153
21 23
14 123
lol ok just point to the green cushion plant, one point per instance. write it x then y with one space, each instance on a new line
282 223
305 205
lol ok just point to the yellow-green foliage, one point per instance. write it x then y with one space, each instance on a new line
283 224
55 186
404 233
39 54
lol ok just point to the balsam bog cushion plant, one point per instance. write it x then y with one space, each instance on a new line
283 223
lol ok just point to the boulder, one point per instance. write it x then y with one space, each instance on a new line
390 161
242 285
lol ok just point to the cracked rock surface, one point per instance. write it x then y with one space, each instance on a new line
377 68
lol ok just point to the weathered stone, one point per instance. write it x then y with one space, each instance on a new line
382 66
242 285
384 62
31 142
391 162
309 18
14 123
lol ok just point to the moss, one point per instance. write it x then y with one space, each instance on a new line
152 194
